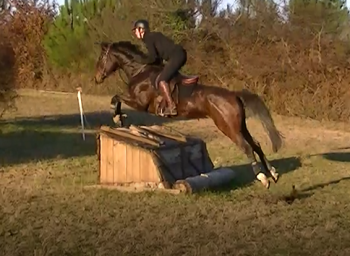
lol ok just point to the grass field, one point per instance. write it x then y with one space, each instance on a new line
46 210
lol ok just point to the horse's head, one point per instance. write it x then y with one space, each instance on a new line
119 55
107 63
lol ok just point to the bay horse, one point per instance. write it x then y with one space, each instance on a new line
193 100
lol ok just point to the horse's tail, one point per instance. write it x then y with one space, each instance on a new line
257 108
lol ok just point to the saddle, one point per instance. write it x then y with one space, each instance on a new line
179 79
187 79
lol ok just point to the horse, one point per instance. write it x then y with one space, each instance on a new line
193 100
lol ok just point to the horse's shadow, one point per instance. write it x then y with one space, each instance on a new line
245 176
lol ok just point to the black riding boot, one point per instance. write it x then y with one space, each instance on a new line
171 107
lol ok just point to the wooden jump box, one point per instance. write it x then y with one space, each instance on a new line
150 158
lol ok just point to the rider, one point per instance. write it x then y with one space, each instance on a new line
161 47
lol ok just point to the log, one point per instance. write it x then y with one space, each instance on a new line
210 180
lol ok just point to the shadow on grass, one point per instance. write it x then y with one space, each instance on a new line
323 185
94 120
310 191
245 178
27 146
337 156
245 175
44 138
50 137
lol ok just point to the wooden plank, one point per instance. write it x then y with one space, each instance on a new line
119 161
129 164
98 148
146 133
98 153
103 159
135 156
179 138
110 160
149 171
129 135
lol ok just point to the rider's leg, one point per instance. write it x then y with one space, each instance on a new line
165 91
171 68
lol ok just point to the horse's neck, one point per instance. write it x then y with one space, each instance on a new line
132 70
144 71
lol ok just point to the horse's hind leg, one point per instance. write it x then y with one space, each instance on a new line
248 150
233 132
265 162
257 148
231 126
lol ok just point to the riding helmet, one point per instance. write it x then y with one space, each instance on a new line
141 24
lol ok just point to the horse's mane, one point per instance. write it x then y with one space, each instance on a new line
129 48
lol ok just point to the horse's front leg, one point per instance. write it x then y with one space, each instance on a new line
118 116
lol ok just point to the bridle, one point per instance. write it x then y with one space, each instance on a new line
104 61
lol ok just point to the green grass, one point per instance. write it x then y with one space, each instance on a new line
46 209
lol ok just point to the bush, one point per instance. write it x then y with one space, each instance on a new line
296 56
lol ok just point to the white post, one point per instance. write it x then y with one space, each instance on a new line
81 112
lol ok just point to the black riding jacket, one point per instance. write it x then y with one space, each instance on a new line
159 47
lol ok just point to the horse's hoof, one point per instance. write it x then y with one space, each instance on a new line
266 184
263 179
118 124
274 174
117 119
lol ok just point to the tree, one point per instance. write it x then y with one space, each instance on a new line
330 16
64 42
80 23
7 65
